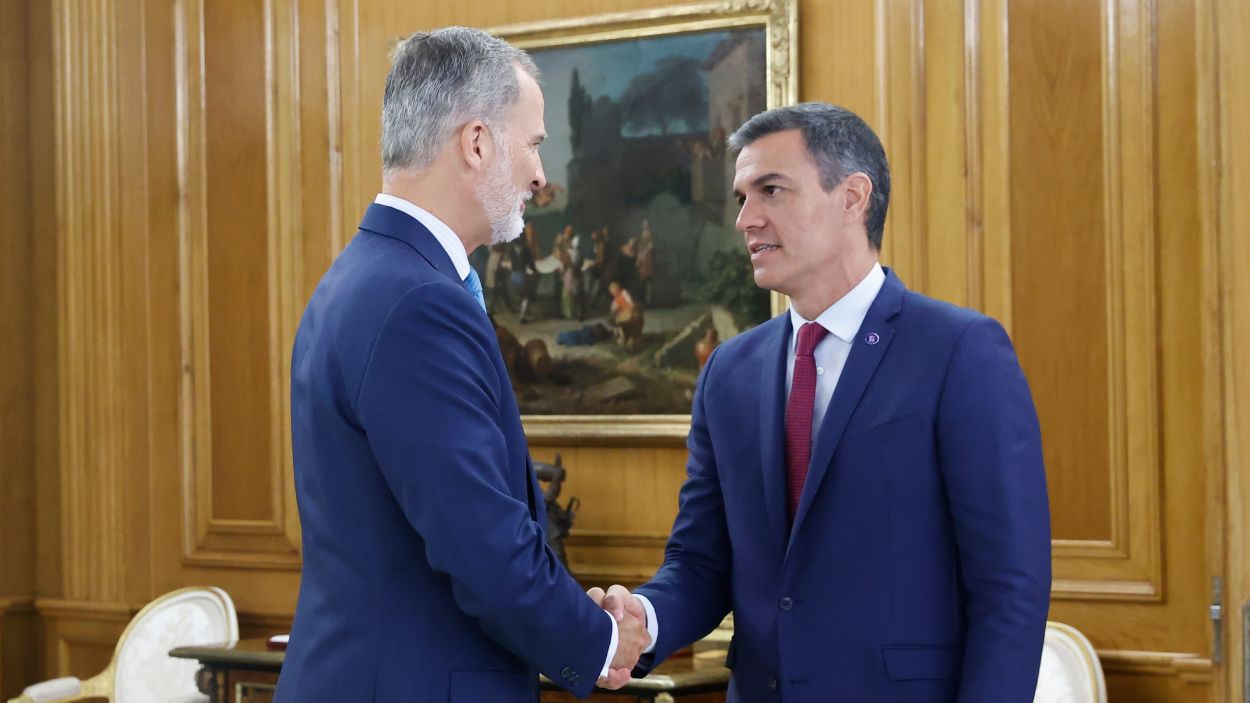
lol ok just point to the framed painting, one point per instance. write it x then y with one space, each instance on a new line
630 270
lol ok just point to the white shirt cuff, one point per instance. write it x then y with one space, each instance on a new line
616 637
653 624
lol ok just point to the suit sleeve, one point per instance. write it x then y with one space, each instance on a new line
429 404
691 593
990 453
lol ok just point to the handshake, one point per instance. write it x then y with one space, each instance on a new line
632 636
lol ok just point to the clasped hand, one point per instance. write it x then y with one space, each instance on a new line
632 635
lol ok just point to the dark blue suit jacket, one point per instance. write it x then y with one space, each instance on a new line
426 576
918 567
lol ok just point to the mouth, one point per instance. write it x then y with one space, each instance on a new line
759 250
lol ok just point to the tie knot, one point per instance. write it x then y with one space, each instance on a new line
810 335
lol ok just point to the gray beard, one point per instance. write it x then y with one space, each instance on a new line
500 202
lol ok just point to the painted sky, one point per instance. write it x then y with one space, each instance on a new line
604 69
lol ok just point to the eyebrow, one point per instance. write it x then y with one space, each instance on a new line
761 180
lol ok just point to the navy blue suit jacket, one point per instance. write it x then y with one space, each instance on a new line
918 566
426 576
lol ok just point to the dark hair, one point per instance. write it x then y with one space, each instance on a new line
839 142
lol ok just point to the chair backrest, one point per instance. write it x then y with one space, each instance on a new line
1070 670
145 673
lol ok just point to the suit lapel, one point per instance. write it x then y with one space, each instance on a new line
772 417
867 349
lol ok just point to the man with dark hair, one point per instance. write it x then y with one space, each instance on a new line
865 483
426 576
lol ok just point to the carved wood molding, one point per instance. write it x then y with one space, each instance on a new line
74 609
1191 668
17 605
92 340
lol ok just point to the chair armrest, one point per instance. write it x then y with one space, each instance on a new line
69 688
65 688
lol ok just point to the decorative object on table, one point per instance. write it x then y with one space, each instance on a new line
637 226
559 519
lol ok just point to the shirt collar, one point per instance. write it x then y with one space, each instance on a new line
447 238
844 317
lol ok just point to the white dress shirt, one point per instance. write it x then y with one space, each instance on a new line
842 320
451 243
460 259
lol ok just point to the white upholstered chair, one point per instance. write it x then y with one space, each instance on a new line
142 670
1070 670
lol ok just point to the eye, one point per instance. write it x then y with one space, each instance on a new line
770 190
741 200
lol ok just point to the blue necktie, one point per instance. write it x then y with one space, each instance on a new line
473 284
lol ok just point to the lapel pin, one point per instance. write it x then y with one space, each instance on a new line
872 338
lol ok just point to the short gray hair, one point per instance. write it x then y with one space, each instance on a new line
439 82
839 142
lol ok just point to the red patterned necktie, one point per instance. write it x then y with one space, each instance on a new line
799 413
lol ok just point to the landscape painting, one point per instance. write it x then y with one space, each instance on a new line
630 271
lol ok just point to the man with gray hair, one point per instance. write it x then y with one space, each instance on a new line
426 576
865 483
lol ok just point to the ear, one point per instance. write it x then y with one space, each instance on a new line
476 144
858 189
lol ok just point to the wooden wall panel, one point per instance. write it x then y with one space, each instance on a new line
79 636
1054 165
627 505
1224 103
1056 108
239 164
46 301
234 161
17 428
1083 275
18 645
101 216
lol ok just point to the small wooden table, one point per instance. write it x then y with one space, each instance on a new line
247 672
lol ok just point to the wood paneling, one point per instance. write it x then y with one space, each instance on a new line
18 654
1224 103
17 427
44 337
238 171
79 636
1072 168
1082 272
627 506
101 216
1056 109
231 152
17 360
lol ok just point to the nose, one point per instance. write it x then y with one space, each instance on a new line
749 217
540 178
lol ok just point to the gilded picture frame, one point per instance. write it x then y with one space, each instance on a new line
628 145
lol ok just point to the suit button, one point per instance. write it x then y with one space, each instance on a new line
786 603
567 673
772 683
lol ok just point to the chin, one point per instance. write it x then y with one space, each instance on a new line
762 278
507 231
